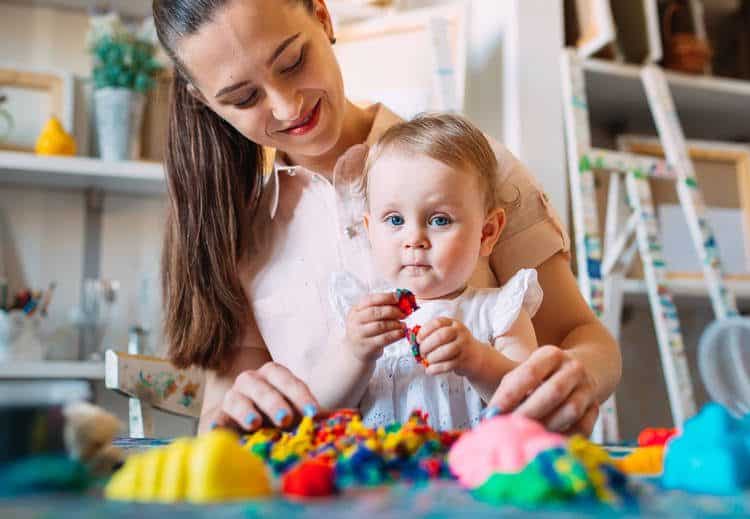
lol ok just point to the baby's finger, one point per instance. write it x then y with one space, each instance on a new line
377 328
442 353
585 425
384 298
379 313
431 326
441 367
437 339
240 411
265 396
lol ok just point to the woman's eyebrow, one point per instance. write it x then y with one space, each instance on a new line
284 44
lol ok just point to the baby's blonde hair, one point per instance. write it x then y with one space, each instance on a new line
447 138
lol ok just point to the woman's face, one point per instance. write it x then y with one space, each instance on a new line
268 69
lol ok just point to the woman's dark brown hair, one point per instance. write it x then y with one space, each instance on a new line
214 178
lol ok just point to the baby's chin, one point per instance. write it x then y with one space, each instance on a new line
427 291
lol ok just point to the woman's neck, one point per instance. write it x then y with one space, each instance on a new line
355 129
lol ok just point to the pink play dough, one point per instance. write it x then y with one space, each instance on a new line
503 444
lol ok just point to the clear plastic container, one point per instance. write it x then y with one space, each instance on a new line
724 363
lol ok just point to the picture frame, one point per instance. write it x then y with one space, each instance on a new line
58 85
412 61
727 202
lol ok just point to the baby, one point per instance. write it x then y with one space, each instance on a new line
431 215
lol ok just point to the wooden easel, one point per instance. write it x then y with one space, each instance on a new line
600 275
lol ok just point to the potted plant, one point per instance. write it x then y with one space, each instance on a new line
124 69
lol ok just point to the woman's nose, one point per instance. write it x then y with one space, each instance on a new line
285 105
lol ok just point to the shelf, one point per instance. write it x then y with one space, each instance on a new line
52 370
688 288
81 173
709 108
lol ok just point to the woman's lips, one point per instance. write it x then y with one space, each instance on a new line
307 123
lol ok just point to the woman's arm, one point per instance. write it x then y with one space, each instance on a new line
562 384
564 319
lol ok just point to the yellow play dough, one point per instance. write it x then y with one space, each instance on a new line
208 469
54 140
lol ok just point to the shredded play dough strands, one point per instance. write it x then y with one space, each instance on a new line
724 362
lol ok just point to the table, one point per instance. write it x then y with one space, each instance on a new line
442 499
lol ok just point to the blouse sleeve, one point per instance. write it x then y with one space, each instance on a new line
344 291
521 291
533 232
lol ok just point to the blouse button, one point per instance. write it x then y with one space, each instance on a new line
350 231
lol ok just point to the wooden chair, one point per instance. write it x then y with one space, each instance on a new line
152 383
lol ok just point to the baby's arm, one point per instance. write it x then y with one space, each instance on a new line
448 345
371 325
519 342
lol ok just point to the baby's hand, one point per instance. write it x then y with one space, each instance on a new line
373 324
448 345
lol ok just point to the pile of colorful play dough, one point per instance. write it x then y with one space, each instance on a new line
507 459
511 459
339 451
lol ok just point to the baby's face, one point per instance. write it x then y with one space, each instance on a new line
425 223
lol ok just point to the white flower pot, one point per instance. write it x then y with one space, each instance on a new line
119 112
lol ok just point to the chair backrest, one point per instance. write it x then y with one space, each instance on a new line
154 382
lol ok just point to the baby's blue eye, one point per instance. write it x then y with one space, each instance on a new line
440 221
395 219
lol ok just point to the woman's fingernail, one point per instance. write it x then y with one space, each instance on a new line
251 418
281 416
310 410
213 425
491 412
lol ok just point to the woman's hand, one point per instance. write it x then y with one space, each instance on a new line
552 387
448 345
269 394
373 324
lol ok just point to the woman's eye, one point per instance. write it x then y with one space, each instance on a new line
297 64
248 101
395 219
440 220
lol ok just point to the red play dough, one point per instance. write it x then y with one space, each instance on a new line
311 478
653 436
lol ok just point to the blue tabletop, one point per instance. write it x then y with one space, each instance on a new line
435 500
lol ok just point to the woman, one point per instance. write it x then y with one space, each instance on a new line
246 264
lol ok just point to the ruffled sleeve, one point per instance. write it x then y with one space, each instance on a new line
521 291
344 291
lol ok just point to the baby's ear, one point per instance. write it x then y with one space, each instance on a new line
493 226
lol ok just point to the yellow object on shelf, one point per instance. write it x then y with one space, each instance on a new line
208 469
54 140
643 461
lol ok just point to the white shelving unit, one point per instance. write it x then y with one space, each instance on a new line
81 173
52 370
710 108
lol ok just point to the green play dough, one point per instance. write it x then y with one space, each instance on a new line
552 477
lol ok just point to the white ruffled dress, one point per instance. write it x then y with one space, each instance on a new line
399 384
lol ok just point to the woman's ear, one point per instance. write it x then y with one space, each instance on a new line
493 226
324 17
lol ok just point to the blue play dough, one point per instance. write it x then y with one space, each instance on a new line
711 456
